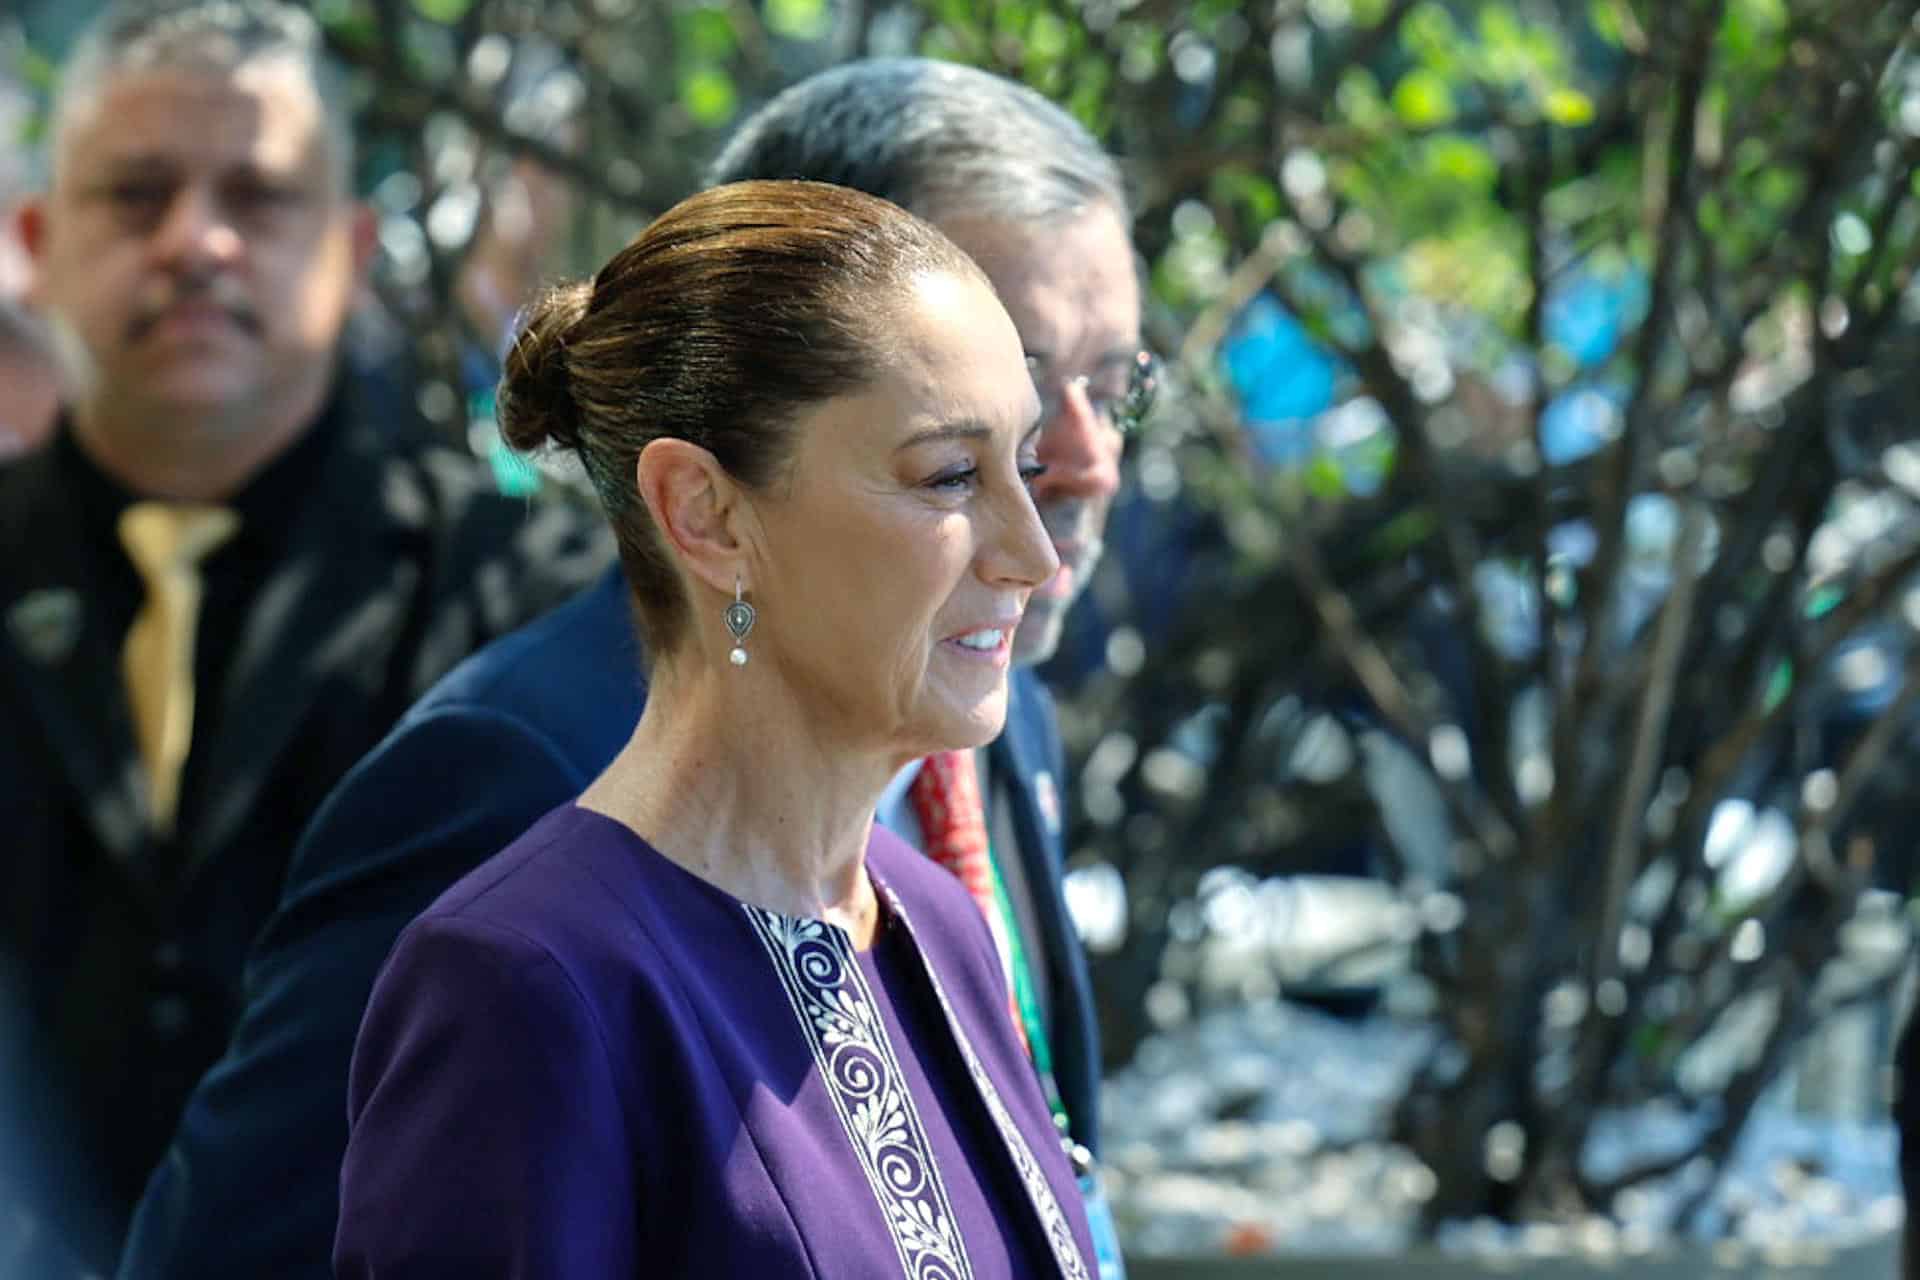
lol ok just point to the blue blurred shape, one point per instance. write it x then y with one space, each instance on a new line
1577 423
1587 317
1282 377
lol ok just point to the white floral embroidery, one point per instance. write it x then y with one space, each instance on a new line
1066 1250
829 995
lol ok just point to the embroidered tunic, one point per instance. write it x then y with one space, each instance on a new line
584 1061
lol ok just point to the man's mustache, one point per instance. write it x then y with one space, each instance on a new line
169 292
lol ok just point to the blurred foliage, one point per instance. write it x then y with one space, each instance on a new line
1536 501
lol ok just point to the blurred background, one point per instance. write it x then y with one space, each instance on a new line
1493 722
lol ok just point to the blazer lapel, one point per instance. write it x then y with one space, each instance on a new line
1024 760
1022 765
334 603
55 649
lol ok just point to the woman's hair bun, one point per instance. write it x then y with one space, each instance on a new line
535 404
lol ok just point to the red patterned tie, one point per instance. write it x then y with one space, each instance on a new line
953 822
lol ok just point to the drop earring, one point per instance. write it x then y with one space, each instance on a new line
739 618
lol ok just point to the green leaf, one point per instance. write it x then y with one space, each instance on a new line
1047 38
1423 99
1498 26
1568 108
1358 99
1604 17
1255 195
798 19
1430 35
1403 533
1461 160
705 35
1751 23
442 11
708 97
1323 478
1779 685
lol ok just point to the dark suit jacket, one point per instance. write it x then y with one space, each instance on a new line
513 732
400 562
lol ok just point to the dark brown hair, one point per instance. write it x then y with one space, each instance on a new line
732 312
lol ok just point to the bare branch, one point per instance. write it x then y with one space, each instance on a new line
1649 727
1376 675
408 100
1613 481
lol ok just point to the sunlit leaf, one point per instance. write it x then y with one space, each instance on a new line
705 34
1429 34
1750 22
798 19
443 11
708 97
1569 108
1359 101
1047 37
1423 99
1462 160
1323 479
1604 17
1498 26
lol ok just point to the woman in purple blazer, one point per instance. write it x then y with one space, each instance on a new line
709 1020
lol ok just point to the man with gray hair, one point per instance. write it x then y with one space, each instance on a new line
220 583
1021 186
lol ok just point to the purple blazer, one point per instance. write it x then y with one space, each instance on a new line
583 1061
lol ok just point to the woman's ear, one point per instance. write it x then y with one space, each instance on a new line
696 506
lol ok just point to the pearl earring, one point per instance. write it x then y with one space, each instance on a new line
739 618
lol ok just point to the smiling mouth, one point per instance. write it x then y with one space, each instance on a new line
983 641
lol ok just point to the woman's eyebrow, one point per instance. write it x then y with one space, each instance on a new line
962 429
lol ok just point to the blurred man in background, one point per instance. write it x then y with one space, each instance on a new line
220 582
1021 186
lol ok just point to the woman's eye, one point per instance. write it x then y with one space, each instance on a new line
953 481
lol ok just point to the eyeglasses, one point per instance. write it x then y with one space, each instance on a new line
1121 395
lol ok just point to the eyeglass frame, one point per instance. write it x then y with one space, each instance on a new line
1123 413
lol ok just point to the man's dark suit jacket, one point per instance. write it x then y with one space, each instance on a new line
398 562
250 1186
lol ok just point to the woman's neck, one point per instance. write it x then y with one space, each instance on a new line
742 792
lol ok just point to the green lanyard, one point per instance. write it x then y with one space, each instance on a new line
1028 1003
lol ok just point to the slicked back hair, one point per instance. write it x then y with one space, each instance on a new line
936 137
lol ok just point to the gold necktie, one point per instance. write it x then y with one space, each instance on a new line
166 542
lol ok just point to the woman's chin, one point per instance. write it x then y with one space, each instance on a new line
965 728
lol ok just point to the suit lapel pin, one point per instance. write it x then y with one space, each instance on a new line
46 624
1047 796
